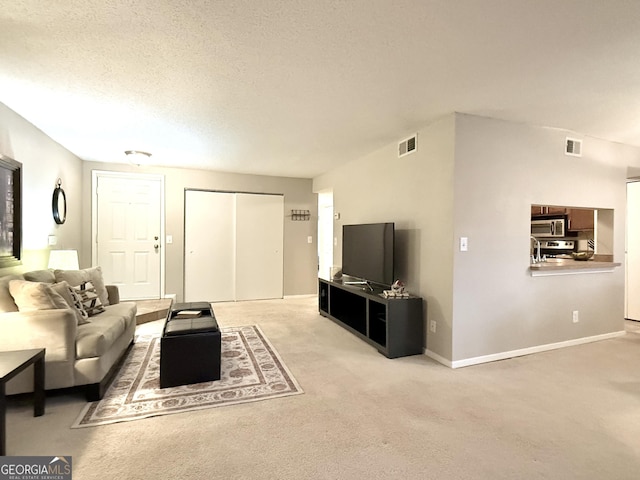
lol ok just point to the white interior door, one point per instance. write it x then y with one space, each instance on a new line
209 243
128 238
233 246
632 283
259 245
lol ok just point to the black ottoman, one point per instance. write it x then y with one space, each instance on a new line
190 345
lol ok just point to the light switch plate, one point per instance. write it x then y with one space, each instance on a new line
309 239
464 244
169 239
53 240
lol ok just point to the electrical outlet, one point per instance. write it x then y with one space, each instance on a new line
576 317
432 326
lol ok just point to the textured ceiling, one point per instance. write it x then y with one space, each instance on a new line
294 88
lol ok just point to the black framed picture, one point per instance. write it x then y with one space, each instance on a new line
10 212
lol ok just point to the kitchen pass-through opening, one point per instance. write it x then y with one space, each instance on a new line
566 229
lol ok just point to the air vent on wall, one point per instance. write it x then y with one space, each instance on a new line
408 145
573 147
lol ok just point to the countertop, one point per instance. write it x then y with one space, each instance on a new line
564 267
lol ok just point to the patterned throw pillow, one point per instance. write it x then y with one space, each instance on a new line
74 301
78 305
77 277
90 300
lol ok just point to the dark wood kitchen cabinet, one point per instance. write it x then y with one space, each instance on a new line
537 210
546 210
580 219
557 210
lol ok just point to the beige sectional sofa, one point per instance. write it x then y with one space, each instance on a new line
80 349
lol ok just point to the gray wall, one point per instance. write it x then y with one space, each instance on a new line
477 177
471 176
43 162
415 192
300 257
501 169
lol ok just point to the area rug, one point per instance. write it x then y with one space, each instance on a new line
251 370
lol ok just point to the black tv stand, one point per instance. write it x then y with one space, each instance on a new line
394 326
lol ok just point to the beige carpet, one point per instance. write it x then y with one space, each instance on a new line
565 414
251 370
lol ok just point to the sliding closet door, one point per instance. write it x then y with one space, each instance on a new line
209 246
259 242
233 246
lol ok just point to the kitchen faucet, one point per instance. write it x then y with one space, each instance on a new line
536 258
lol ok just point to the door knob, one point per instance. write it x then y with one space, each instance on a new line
156 246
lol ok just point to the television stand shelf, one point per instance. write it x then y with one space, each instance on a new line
394 326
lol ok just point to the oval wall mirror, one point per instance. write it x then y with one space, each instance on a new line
59 204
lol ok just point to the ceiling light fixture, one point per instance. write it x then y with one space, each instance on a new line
137 157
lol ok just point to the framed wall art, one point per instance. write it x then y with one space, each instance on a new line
10 212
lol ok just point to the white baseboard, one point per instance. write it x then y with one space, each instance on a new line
304 295
467 362
437 358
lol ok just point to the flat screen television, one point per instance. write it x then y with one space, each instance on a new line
367 252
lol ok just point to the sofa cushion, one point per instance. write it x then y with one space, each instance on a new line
6 300
73 300
45 276
78 277
95 338
31 296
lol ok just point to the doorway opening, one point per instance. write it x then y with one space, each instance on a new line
325 234
632 252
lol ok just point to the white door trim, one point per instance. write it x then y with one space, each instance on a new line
95 174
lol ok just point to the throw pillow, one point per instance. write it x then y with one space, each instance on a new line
7 304
44 276
31 296
76 277
90 300
73 300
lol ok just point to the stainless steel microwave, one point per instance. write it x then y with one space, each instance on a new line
552 227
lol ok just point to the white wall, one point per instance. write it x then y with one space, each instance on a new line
300 257
43 162
478 177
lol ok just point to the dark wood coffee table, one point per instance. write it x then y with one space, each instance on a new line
11 364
